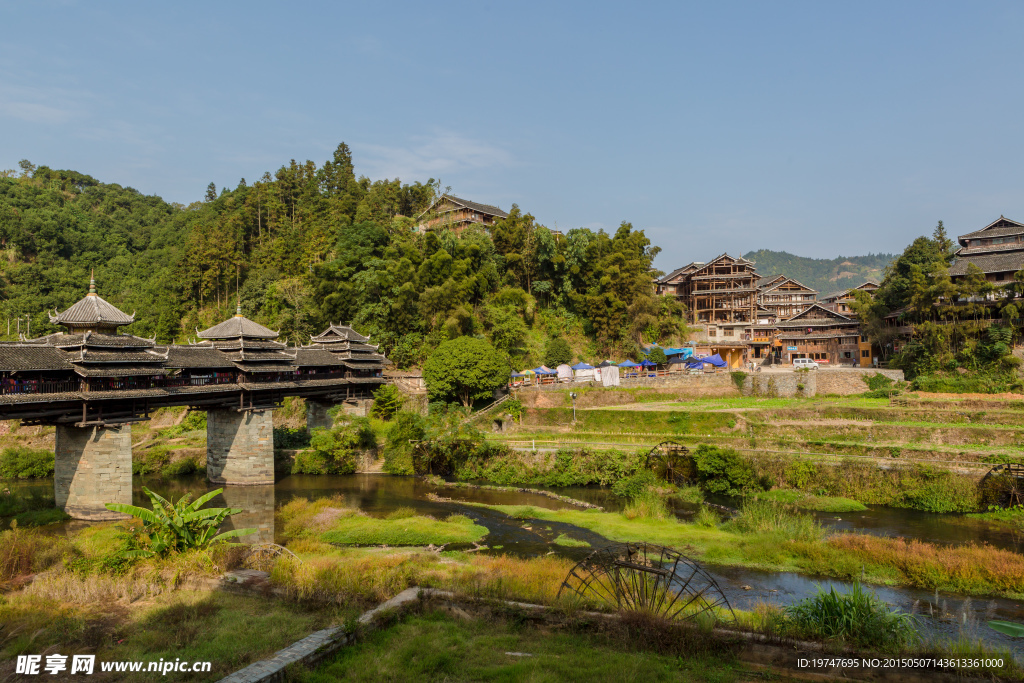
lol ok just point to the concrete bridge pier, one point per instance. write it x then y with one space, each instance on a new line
240 447
317 415
92 467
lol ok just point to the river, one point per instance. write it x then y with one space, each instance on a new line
941 616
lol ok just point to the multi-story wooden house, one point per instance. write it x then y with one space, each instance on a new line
841 301
455 213
822 335
997 249
784 296
720 295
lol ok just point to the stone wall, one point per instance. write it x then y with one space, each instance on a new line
92 467
850 381
845 382
357 407
240 447
318 415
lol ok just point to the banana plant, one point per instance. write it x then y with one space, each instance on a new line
174 527
1008 628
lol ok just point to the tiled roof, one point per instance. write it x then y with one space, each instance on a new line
475 206
989 263
315 358
15 357
94 340
238 326
90 355
196 357
998 228
339 332
118 370
267 367
92 310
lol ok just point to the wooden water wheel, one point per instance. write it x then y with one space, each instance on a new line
671 462
647 578
1003 486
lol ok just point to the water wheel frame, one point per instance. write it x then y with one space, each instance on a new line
667 460
648 578
1003 485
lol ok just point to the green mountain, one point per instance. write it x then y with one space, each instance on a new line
309 245
824 275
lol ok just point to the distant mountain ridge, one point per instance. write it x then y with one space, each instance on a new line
824 275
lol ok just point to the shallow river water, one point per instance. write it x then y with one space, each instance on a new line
942 615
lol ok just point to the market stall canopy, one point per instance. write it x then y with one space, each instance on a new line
606 364
628 364
715 360
582 366
542 370
519 374
676 360
648 363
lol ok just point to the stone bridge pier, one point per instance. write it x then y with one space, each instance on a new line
257 505
240 447
92 467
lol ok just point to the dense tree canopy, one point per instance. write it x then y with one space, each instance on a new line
466 369
310 245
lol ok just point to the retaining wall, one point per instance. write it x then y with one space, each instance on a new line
844 382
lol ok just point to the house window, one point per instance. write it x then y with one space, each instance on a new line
864 353
846 354
863 338
712 333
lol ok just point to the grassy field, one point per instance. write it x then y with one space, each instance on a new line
437 647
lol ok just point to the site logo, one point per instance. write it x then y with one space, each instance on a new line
85 664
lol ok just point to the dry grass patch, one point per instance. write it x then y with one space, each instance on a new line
970 568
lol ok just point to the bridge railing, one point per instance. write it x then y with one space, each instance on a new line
30 386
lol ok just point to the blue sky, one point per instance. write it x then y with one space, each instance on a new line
816 128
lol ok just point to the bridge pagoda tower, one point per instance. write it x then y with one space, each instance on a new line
240 440
93 456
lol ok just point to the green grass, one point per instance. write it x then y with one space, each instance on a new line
226 629
438 647
570 542
807 501
1013 517
419 530
768 537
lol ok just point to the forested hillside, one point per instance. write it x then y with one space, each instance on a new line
824 275
309 245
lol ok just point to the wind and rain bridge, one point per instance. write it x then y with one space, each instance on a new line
92 382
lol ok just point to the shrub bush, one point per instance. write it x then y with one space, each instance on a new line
857 617
724 471
289 438
387 401
405 428
634 485
19 462
333 451
557 352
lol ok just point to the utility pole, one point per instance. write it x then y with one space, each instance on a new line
572 395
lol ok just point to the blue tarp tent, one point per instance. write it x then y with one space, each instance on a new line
582 366
628 364
518 374
715 360
542 370
647 363
674 351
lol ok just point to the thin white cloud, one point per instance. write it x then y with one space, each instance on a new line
38 105
438 156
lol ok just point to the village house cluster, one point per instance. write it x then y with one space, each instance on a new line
745 317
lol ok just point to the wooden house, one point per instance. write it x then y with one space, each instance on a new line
997 249
720 294
840 301
784 296
457 214
820 334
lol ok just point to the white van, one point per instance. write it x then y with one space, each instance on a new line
804 364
